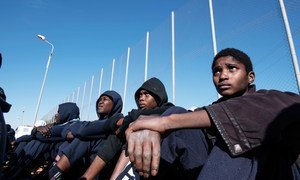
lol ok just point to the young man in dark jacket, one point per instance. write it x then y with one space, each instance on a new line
92 136
151 99
257 132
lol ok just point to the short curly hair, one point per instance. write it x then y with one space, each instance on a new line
236 54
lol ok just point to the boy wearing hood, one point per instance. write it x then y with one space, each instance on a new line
257 132
151 99
91 136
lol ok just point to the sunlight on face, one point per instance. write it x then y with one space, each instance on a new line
105 105
230 77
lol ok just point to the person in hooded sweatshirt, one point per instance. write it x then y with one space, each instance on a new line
91 136
10 140
45 140
4 108
152 100
257 132
104 154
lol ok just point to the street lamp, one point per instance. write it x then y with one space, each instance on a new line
43 38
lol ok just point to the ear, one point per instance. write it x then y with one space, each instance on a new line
251 77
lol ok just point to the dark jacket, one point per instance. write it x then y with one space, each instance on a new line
4 108
261 117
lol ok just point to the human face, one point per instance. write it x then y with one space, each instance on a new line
105 105
146 101
230 77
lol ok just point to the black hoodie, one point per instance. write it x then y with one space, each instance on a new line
68 112
4 107
102 127
117 101
156 89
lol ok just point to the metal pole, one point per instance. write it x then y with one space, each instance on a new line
173 58
90 98
44 80
100 83
78 92
126 77
291 43
213 33
82 101
212 21
146 56
112 74
73 96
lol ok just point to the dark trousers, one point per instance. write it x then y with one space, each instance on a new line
80 148
220 165
183 152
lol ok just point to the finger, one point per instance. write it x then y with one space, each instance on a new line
155 157
42 129
128 132
147 155
130 149
144 174
138 155
134 126
48 128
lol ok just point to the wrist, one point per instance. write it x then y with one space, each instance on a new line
167 122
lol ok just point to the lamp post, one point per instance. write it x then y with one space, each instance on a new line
43 38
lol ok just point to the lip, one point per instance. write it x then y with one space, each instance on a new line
142 105
224 86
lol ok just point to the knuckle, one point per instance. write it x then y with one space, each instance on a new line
156 154
146 156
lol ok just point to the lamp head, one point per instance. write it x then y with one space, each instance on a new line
43 38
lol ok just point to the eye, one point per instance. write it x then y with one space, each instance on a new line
232 68
107 99
217 70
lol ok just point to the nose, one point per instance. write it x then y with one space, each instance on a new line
142 97
223 75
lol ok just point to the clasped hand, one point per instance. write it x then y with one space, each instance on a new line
144 144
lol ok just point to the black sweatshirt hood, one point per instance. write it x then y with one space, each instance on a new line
68 111
117 103
5 107
156 88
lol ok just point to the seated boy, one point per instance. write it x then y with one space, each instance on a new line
151 99
91 136
257 132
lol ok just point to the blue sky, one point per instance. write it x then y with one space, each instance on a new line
87 35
